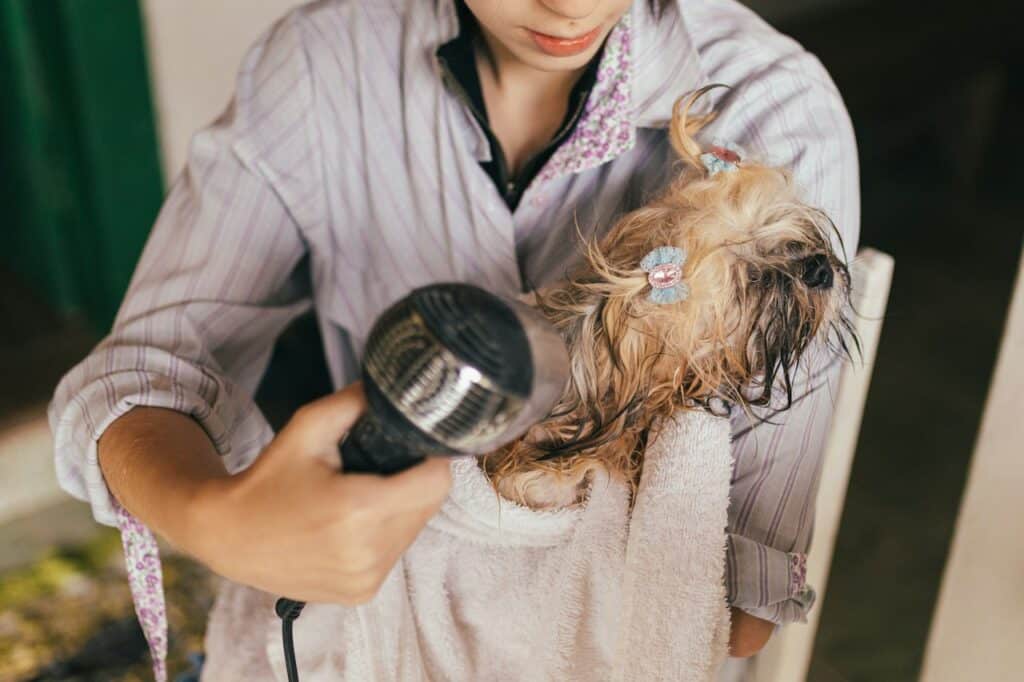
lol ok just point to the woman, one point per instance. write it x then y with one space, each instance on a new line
373 147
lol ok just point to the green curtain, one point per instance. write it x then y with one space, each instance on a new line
80 180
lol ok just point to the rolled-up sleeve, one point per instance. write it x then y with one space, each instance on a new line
777 464
219 279
791 115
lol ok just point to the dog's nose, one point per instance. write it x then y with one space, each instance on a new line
817 272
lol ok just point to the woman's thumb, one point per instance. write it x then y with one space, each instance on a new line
322 423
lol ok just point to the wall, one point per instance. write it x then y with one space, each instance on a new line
195 48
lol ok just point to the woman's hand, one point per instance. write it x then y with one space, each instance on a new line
749 634
295 526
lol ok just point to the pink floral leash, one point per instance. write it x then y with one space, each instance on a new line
145 577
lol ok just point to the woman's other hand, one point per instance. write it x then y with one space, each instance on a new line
749 634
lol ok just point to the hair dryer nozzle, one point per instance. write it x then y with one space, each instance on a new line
452 369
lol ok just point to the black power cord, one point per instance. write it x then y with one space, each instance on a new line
288 610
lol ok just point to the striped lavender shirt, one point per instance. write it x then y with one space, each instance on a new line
345 173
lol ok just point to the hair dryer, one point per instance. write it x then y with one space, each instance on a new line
453 370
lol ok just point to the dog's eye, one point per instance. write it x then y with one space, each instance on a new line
762 277
817 272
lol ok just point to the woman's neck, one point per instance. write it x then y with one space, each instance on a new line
525 105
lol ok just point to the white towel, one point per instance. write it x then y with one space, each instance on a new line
675 624
493 591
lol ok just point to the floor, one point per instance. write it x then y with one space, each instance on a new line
948 208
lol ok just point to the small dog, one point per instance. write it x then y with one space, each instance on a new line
706 298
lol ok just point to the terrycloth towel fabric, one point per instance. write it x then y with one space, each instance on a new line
494 591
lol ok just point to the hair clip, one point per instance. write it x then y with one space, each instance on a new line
721 156
664 268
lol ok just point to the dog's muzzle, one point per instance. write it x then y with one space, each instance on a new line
817 272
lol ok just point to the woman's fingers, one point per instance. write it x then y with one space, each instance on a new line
417 489
322 423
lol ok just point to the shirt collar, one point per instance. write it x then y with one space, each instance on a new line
606 128
647 64
459 57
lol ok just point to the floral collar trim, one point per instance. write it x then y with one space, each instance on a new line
606 129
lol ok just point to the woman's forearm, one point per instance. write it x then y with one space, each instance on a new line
293 523
156 462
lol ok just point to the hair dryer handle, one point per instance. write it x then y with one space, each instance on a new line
367 449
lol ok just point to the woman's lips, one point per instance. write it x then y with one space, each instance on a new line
564 47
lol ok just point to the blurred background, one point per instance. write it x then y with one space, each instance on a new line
99 98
